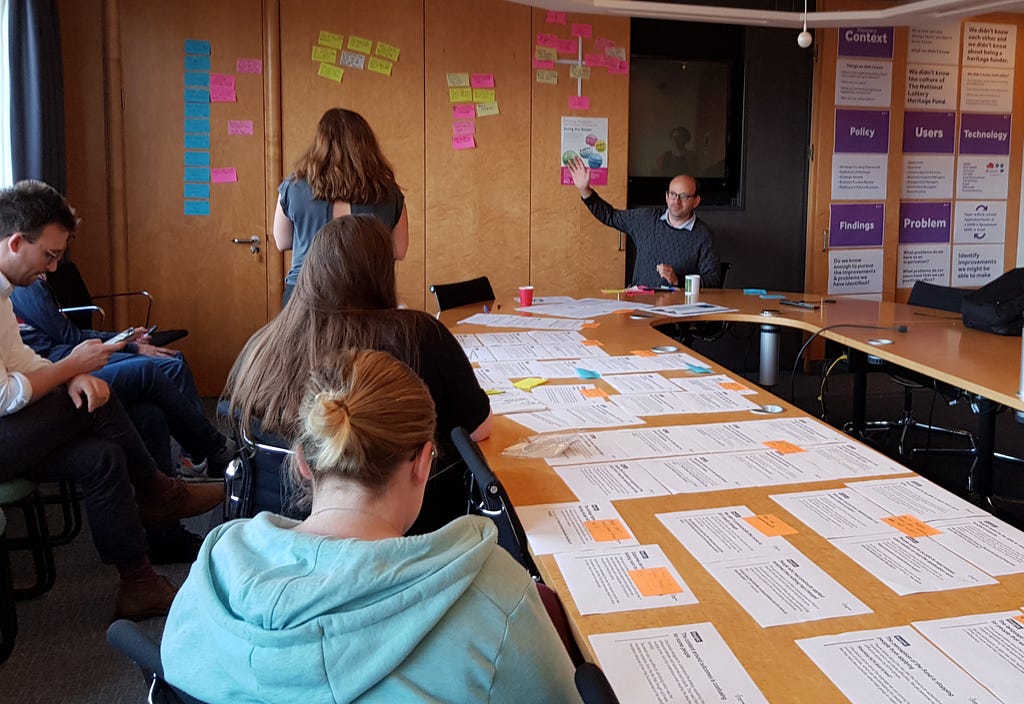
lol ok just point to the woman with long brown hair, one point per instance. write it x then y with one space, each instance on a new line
345 297
342 172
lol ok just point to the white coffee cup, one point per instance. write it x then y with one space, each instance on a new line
691 284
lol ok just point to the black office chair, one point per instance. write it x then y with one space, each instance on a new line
23 494
255 480
8 611
593 686
79 305
706 331
127 637
462 293
487 497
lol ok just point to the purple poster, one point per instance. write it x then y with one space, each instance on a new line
856 225
925 222
862 131
875 42
929 132
984 134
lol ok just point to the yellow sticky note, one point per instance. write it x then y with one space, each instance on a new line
335 41
458 80
655 581
331 72
770 525
642 353
486 109
380 65
387 51
606 530
529 383
483 95
733 386
578 71
547 76
593 343
493 392
911 525
545 53
325 55
783 447
594 393
460 95
360 44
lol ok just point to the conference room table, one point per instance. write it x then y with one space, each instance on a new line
982 364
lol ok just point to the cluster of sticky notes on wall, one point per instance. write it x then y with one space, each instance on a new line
604 55
203 87
472 95
334 55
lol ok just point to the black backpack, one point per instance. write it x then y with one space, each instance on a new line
998 306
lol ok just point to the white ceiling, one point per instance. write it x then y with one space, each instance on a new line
915 12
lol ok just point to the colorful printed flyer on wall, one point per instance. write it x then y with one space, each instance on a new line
925 222
871 42
586 138
860 162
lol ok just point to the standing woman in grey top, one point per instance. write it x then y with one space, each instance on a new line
342 172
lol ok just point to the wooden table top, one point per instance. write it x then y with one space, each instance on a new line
778 666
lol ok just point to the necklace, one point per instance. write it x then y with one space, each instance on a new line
359 511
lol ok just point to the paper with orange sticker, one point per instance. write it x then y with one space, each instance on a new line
553 528
592 343
594 393
910 525
622 578
642 353
733 386
770 525
783 447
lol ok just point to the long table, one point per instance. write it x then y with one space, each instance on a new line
941 348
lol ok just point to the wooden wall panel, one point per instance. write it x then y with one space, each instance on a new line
570 251
478 200
392 105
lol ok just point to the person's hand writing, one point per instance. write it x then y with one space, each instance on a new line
666 272
153 351
580 173
91 355
92 390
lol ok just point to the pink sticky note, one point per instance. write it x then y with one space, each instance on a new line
602 43
537 63
222 79
579 102
582 30
481 80
248 66
463 111
225 174
239 126
547 40
466 141
567 46
594 60
618 67
462 128
555 17
223 94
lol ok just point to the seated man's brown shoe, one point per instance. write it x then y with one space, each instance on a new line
182 500
139 599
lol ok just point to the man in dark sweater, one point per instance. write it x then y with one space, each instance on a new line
670 243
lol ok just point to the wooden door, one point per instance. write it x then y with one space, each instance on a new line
200 279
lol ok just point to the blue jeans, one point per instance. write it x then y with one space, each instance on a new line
176 369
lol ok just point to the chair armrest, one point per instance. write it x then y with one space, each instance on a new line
83 309
149 299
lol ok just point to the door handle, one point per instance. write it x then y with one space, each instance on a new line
253 242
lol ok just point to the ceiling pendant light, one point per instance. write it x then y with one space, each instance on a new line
804 39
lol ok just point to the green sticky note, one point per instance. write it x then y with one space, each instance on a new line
458 80
387 51
548 76
545 53
486 109
483 95
360 44
460 95
380 65
578 71
331 72
335 41
325 55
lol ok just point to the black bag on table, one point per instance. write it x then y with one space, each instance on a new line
998 306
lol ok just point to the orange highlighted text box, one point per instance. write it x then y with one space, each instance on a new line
783 447
607 530
655 581
911 525
770 525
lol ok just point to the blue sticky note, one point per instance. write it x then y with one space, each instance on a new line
197 126
771 296
195 173
197 158
197 46
197 190
197 95
754 291
697 369
587 374
197 78
197 141
197 109
197 207
197 63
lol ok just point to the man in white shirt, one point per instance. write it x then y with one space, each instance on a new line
59 422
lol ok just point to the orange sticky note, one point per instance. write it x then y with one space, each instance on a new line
770 525
733 386
606 530
593 343
591 325
911 525
642 353
655 581
594 393
1019 619
783 447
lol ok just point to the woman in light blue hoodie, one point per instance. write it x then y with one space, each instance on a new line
341 607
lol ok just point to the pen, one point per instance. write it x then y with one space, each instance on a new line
486 309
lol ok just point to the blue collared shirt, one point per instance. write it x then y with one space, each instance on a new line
688 225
